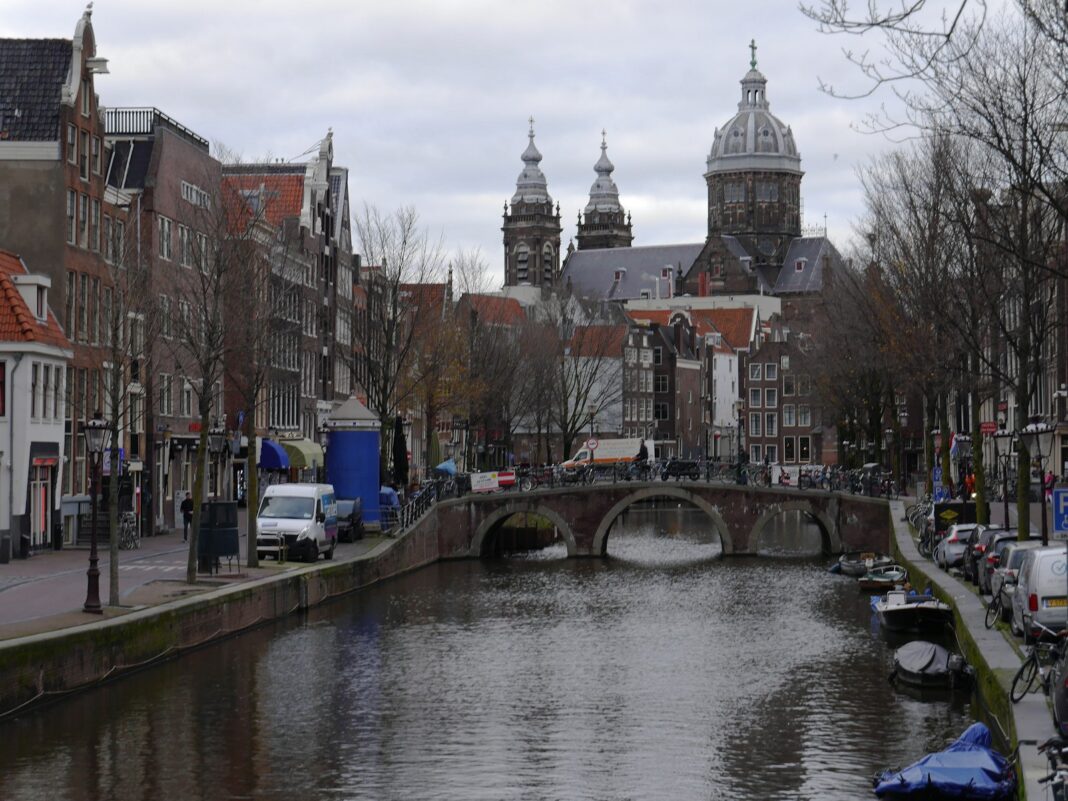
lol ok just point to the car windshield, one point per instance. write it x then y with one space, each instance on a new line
344 507
288 507
1016 558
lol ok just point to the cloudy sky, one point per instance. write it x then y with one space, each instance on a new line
429 99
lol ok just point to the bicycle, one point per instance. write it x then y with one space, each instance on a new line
1056 750
993 611
128 538
1038 665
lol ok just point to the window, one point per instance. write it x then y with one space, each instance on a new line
165 316
94 226
96 155
185 247
660 383
787 384
83 156
46 392
771 398
804 416
754 425
35 388
68 317
195 195
83 220
94 312
754 454
771 453
185 406
119 248
522 256
72 144
755 370
631 355
72 213
799 265
658 355
165 245
165 407
85 97
106 327
789 419
109 241
754 398
804 449
202 253
660 410
57 393
785 362
771 371
767 190
788 453
83 307
771 428
734 192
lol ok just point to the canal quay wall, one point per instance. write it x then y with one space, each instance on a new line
1026 724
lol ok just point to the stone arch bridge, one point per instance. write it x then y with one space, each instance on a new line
584 514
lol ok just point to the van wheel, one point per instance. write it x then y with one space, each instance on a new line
330 554
313 552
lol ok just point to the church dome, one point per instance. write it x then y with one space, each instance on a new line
754 138
604 195
531 186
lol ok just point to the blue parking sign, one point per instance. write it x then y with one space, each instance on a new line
1060 510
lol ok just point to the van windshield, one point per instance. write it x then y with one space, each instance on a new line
1016 558
288 507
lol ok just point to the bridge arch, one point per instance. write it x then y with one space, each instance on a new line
600 538
832 541
498 516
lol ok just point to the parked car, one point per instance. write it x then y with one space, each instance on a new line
973 555
992 557
1041 594
1003 579
949 551
297 519
349 520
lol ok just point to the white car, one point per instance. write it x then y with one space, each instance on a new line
1003 579
949 552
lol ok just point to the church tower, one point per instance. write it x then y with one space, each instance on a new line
754 176
531 227
606 225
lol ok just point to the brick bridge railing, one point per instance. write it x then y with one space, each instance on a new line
583 515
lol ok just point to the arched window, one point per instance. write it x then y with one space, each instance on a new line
522 257
548 261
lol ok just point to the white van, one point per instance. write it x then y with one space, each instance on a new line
297 520
1041 592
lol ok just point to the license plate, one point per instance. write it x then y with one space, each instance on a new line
1055 602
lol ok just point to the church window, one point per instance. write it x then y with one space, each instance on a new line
548 264
734 192
767 191
522 256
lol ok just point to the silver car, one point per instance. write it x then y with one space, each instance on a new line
1003 579
949 552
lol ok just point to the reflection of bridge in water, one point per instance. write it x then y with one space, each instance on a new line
583 515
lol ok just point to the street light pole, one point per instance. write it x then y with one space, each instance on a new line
96 434
1032 434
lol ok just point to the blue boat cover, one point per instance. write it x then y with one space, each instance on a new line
448 467
968 768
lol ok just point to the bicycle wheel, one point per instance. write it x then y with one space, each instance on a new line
993 611
1024 678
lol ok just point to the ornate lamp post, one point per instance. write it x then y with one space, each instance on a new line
96 433
324 443
1003 457
216 443
1031 435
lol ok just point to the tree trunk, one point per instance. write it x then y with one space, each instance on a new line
928 439
252 490
946 460
113 524
198 492
982 510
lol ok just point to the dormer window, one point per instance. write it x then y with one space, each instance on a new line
619 274
42 303
645 294
799 265
665 272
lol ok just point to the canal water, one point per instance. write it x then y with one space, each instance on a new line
660 673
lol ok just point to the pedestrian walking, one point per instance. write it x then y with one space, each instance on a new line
1050 481
187 515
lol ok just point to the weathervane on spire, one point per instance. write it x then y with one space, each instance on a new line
531 121
752 52
603 143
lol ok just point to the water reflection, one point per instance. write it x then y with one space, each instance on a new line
663 672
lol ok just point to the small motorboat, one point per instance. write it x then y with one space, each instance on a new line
907 611
926 665
857 563
968 768
883 578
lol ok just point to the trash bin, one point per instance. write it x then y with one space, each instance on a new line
5 548
57 536
217 536
24 546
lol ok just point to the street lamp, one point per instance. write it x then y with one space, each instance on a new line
889 435
1031 435
216 443
96 433
1004 458
324 443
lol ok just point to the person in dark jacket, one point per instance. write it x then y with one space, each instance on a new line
187 515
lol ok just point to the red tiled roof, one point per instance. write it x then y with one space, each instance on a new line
734 324
17 321
496 310
284 194
598 341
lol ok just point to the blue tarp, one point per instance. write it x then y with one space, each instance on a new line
448 467
273 456
968 768
387 496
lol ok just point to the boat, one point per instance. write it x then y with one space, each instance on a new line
906 611
925 664
967 768
857 563
883 578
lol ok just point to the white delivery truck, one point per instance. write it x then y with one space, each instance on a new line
608 451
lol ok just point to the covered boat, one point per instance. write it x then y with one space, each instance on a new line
883 578
925 664
968 768
857 563
906 611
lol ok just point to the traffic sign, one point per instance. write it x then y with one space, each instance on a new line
988 427
936 475
591 443
1060 510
